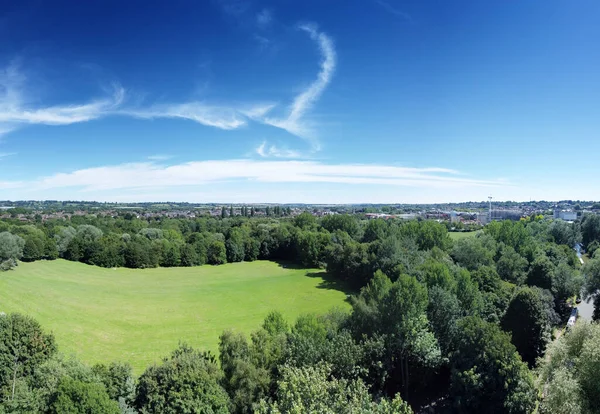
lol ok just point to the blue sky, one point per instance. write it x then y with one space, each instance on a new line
329 101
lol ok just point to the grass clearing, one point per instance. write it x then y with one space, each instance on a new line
139 316
457 235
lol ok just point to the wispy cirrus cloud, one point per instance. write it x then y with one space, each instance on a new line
272 151
222 117
294 122
151 175
16 111
393 10
264 18
6 154
159 157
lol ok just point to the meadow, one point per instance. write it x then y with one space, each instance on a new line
457 235
140 315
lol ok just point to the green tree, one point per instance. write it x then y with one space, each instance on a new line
511 266
541 273
235 245
474 252
77 397
245 382
305 221
443 312
24 346
487 372
526 320
342 222
313 390
11 250
189 256
117 377
216 253
188 381
397 311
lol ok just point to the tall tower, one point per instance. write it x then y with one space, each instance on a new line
490 200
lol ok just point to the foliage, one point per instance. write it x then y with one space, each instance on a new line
528 323
487 372
24 346
313 390
188 382
77 397
11 250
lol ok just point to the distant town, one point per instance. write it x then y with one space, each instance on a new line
459 216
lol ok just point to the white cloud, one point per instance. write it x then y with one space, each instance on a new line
391 9
15 111
294 122
222 117
159 157
264 18
149 175
272 151
6 154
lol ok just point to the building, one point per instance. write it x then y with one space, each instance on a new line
566 215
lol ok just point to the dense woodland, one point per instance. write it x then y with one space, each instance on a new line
449 326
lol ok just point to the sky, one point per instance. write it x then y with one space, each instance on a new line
307 101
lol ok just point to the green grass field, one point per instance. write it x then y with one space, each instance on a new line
139 316
457 235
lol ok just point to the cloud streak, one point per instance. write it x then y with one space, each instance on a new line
14 110
264 18
272 151
391 9
150 175
293 123
221 117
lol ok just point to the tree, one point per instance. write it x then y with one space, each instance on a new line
77 397
305 221
541 273
63 237
235 245
590 229
311 247
567 283
313 390
376 230
216 253
117 377
487 372
511 266
443 311
526 320
11 250
341 222
187 381
231 212
245 382
24 346
189 256
397 311
223 212
473 253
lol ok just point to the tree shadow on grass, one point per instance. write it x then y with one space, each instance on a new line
289 265
328 281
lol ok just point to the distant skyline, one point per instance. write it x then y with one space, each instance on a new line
358 101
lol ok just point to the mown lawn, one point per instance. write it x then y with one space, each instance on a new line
139 316
457 235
